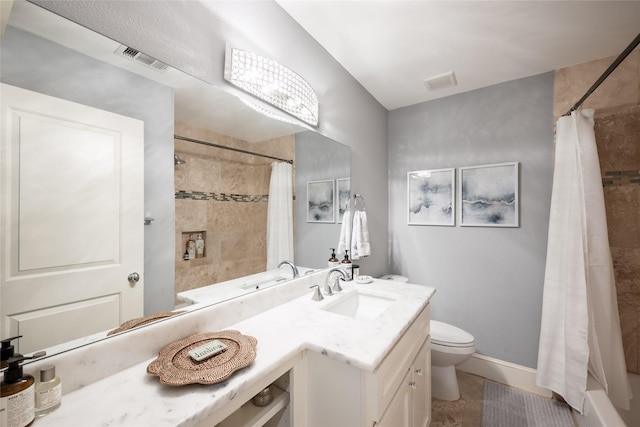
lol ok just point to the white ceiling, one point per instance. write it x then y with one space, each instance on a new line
391 46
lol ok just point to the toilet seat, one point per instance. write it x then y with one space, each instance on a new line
447 335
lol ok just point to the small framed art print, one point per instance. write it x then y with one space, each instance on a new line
431 197
489 195
321 201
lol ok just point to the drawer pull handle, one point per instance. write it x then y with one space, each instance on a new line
419 372
413 385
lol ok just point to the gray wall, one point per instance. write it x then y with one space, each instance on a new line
489 280
33 63
317 158
191 36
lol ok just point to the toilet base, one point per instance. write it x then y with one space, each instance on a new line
444 383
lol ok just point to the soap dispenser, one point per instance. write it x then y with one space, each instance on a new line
17 395
333 261
346 264
7 351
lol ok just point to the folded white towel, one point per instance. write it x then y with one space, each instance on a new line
360 246
345 232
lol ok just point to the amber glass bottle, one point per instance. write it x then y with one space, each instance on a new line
17 396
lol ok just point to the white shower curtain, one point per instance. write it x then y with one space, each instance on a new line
280 215
580 329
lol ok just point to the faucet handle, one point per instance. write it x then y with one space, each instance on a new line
317 295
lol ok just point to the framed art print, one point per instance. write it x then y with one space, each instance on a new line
344 195
430 197
321 201
489 195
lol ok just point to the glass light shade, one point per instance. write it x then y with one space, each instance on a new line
273 83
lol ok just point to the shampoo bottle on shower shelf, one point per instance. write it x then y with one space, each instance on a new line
199 246
17 396
191 247
48 391
346 264
333 261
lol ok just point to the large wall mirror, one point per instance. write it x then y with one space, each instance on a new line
214 191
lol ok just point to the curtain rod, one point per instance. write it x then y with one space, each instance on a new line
238 150
604 75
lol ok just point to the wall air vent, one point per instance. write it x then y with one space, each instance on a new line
441 81
144 59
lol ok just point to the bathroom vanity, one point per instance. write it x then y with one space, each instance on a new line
357 358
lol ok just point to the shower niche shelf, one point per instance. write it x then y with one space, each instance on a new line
193 235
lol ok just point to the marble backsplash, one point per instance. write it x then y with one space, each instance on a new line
617 127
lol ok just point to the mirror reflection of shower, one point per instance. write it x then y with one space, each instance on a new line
177 160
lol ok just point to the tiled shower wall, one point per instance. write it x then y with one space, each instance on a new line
223 194
617 128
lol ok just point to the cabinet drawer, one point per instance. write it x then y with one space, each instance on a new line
383 383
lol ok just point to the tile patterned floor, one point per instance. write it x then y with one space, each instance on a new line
466 412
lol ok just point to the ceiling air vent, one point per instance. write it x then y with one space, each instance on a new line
441 81
144 59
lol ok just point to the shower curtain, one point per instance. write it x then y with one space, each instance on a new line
580 330
280 215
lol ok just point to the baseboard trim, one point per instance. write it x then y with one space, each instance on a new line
503 372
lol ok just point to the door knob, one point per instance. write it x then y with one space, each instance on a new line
134 277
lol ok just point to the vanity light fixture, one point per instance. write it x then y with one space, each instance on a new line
271 82
266 112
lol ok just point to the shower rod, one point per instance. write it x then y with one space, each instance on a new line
238 150
604 75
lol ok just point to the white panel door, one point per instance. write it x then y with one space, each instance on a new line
72 218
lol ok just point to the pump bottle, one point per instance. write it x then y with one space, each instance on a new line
7 351
347 265
333 261
17 396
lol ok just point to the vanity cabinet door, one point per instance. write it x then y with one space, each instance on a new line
421 387
398 412
382 385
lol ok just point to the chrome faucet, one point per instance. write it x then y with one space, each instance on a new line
336 284
292 265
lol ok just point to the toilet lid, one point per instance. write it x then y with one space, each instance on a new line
448 335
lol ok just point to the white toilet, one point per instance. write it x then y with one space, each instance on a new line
450 346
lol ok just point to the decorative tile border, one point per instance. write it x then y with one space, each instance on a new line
618 178
220 197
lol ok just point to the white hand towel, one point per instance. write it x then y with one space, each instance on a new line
360 246
345 232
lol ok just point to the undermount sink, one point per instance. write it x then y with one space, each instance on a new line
361 306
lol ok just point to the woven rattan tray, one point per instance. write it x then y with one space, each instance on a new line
140 321
175 367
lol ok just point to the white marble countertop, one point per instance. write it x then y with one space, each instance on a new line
131 397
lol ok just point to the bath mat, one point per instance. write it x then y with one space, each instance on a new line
507 407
